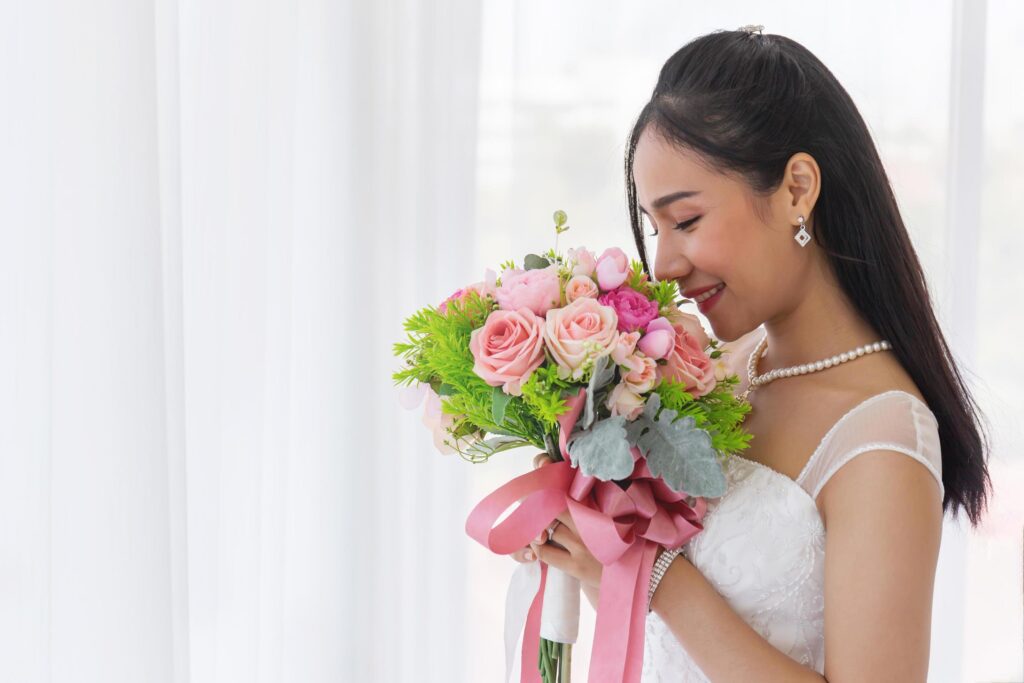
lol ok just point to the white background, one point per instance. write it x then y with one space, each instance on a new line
214 216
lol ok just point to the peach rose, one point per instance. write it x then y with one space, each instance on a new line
643 374
690 323
580 286
688 364
624 401
624 347
508 348
579 333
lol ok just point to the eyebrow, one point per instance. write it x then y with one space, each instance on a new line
669 198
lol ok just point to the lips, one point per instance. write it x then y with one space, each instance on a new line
689 294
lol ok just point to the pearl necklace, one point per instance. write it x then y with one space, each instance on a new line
756 380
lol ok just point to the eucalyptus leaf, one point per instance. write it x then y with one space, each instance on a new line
602 451
678 451
604 372
534 262
499 401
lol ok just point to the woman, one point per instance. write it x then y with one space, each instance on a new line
761 185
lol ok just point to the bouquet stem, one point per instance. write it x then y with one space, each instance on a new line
555 658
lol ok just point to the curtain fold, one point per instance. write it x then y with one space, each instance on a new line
213 216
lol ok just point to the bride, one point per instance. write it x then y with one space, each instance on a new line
771 209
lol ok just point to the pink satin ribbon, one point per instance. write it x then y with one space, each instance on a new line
622 528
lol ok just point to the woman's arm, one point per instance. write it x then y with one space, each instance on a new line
882 548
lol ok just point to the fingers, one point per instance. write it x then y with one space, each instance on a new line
541 459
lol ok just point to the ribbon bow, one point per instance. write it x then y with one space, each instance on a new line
622 528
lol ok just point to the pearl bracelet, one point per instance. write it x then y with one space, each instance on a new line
660 567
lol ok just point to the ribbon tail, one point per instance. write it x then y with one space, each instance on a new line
615 617
530 672
638 621
522 588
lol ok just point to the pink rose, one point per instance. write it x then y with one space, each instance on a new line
578 333
660 338
580 286
688 364
583 261
633 308
508 348
612 268
539 289
624 401
643 375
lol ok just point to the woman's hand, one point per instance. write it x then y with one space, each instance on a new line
564 550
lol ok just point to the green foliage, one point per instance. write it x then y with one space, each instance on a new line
543 394
437 353
719 412
664 293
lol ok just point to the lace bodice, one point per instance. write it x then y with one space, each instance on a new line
763 543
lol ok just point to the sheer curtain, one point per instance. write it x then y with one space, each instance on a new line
211 212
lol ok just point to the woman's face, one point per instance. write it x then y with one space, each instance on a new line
722 240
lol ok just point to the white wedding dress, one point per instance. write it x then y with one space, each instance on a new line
763 543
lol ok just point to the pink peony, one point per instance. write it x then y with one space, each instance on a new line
583 261
580 286
538 290
578 333
612 268
688 364
508 348
633 308
624 401
659 340
484 288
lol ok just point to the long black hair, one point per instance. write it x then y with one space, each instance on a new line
745 103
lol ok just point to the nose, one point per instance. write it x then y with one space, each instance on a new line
669 263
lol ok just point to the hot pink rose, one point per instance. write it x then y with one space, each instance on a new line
508 348
624 401
688 364
580 286
583 261
633 308
612 268
539 289
578 333
659 340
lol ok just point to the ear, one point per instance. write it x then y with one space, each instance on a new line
801 184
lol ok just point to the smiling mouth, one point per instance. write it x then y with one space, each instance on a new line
710 293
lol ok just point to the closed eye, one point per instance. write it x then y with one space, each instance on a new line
679 226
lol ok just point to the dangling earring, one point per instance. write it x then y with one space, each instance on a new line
802 236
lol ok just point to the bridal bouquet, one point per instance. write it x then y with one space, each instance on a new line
586 358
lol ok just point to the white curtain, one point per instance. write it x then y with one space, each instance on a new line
210 212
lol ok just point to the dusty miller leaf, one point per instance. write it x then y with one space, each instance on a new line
603 451
677 451
604 372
